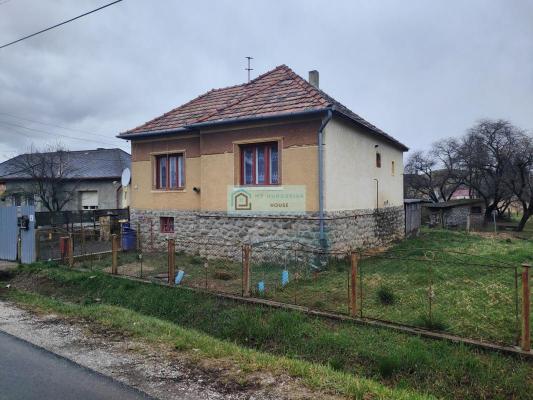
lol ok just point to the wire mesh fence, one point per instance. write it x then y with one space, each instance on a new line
205 265
303 275
459 293
439 290
52 244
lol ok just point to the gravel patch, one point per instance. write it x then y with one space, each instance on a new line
158 372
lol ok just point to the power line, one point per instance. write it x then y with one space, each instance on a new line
53 125
61 23
56 134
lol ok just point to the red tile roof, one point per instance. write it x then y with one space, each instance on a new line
277 92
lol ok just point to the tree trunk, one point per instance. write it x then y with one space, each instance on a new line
523 221
525 216
488 211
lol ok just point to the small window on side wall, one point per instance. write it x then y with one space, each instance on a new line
393 168
378 160
170 172
166 224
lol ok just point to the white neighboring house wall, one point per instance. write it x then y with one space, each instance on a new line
350 169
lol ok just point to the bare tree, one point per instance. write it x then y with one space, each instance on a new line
494 159
420 174
484 154
434 175
520 176
49 175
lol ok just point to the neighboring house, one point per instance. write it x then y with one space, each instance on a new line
459 214
461 193
95 181
276 158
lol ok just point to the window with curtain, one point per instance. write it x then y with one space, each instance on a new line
260 164
170 174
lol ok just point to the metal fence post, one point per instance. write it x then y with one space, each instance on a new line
526 299
246 251
139 242
82 238
354 259
114 251
70 251
171 261
37 244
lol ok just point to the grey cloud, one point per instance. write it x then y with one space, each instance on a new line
419 70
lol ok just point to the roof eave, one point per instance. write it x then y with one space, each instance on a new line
208 124
149 134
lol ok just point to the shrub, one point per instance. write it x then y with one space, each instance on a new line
386 295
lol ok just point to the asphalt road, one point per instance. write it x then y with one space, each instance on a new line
28 372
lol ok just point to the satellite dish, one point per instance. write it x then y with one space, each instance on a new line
126 177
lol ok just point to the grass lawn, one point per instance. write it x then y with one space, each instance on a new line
443 280
337 356
470 295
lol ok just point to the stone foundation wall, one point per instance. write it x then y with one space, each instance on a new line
343 230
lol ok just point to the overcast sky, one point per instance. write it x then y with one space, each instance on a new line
420 70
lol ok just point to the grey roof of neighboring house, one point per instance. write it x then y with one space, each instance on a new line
85 164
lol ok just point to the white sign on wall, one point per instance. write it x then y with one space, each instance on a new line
289 199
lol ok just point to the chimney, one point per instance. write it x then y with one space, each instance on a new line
313 78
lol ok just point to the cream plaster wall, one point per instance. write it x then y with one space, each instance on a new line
350 169
143 196
300 167
217 173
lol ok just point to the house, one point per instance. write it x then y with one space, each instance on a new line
275 158
91 179
461 193
459 214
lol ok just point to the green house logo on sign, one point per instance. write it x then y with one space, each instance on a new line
242 200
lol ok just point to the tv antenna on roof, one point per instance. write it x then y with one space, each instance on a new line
249 69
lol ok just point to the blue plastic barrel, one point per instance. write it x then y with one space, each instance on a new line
129 239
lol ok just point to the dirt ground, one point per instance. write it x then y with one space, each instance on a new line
5 265
158 372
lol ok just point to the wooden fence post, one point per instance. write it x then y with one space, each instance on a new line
171 261
114 255
70 251
526 299
354 259
246 251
